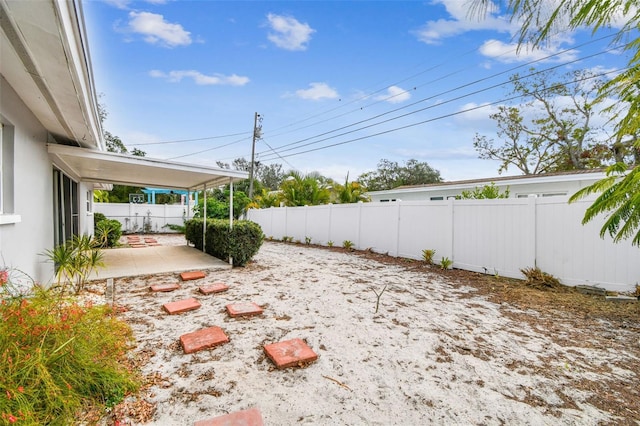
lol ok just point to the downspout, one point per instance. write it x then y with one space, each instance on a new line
230 213
204 222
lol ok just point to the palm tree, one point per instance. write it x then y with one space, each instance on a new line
539 21
350 192
304 190
619 195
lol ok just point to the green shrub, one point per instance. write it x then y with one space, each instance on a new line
446 263
240 243
347 245
97 218
74 262
57 356
108 233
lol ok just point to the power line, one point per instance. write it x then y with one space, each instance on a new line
421 122
274 151
189 140
430 82
210 149
300 144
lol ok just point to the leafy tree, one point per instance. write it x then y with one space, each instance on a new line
268 176
350 192
490 191
390 175
559 135
218 204
304 190
265 199
271 176
114 143
619 191
119 193
100 196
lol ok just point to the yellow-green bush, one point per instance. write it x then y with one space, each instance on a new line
57 356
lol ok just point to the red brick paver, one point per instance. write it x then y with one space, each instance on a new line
243 309
203 339
181 306
165 287
213 288
251 417
193 275
290 353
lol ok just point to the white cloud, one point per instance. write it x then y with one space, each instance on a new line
317 91
120 4
509 53
156 30
201 79
395 95
124 4
462 21
288 33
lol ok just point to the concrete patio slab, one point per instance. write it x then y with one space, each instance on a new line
130 262
203 339
290 353
251 417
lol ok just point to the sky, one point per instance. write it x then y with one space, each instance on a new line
337 85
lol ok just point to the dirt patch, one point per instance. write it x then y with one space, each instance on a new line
444 347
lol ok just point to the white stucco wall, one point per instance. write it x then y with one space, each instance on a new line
21 242
561 186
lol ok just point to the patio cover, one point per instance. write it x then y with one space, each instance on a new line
91 165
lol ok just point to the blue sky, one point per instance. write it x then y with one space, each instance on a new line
339 85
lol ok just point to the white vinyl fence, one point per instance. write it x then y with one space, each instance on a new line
489 236
144 218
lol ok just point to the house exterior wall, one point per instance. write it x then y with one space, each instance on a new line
33 191
29 224
518 188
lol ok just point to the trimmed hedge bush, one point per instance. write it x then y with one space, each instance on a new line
240 243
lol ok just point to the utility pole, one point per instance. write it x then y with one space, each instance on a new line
257 130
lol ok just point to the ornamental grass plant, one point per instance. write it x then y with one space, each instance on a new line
58 356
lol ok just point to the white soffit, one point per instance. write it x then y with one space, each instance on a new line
44 57
90 165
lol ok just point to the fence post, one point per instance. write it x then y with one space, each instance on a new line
397 253
449 249
306 220
532 245
164 223
130 216
359 225
329 224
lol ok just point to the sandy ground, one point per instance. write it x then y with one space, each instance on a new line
436 352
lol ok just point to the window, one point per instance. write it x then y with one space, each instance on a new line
89 201
1 169
7 207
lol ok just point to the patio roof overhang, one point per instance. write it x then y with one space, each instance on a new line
89 165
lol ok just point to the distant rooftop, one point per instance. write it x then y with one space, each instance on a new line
504 178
